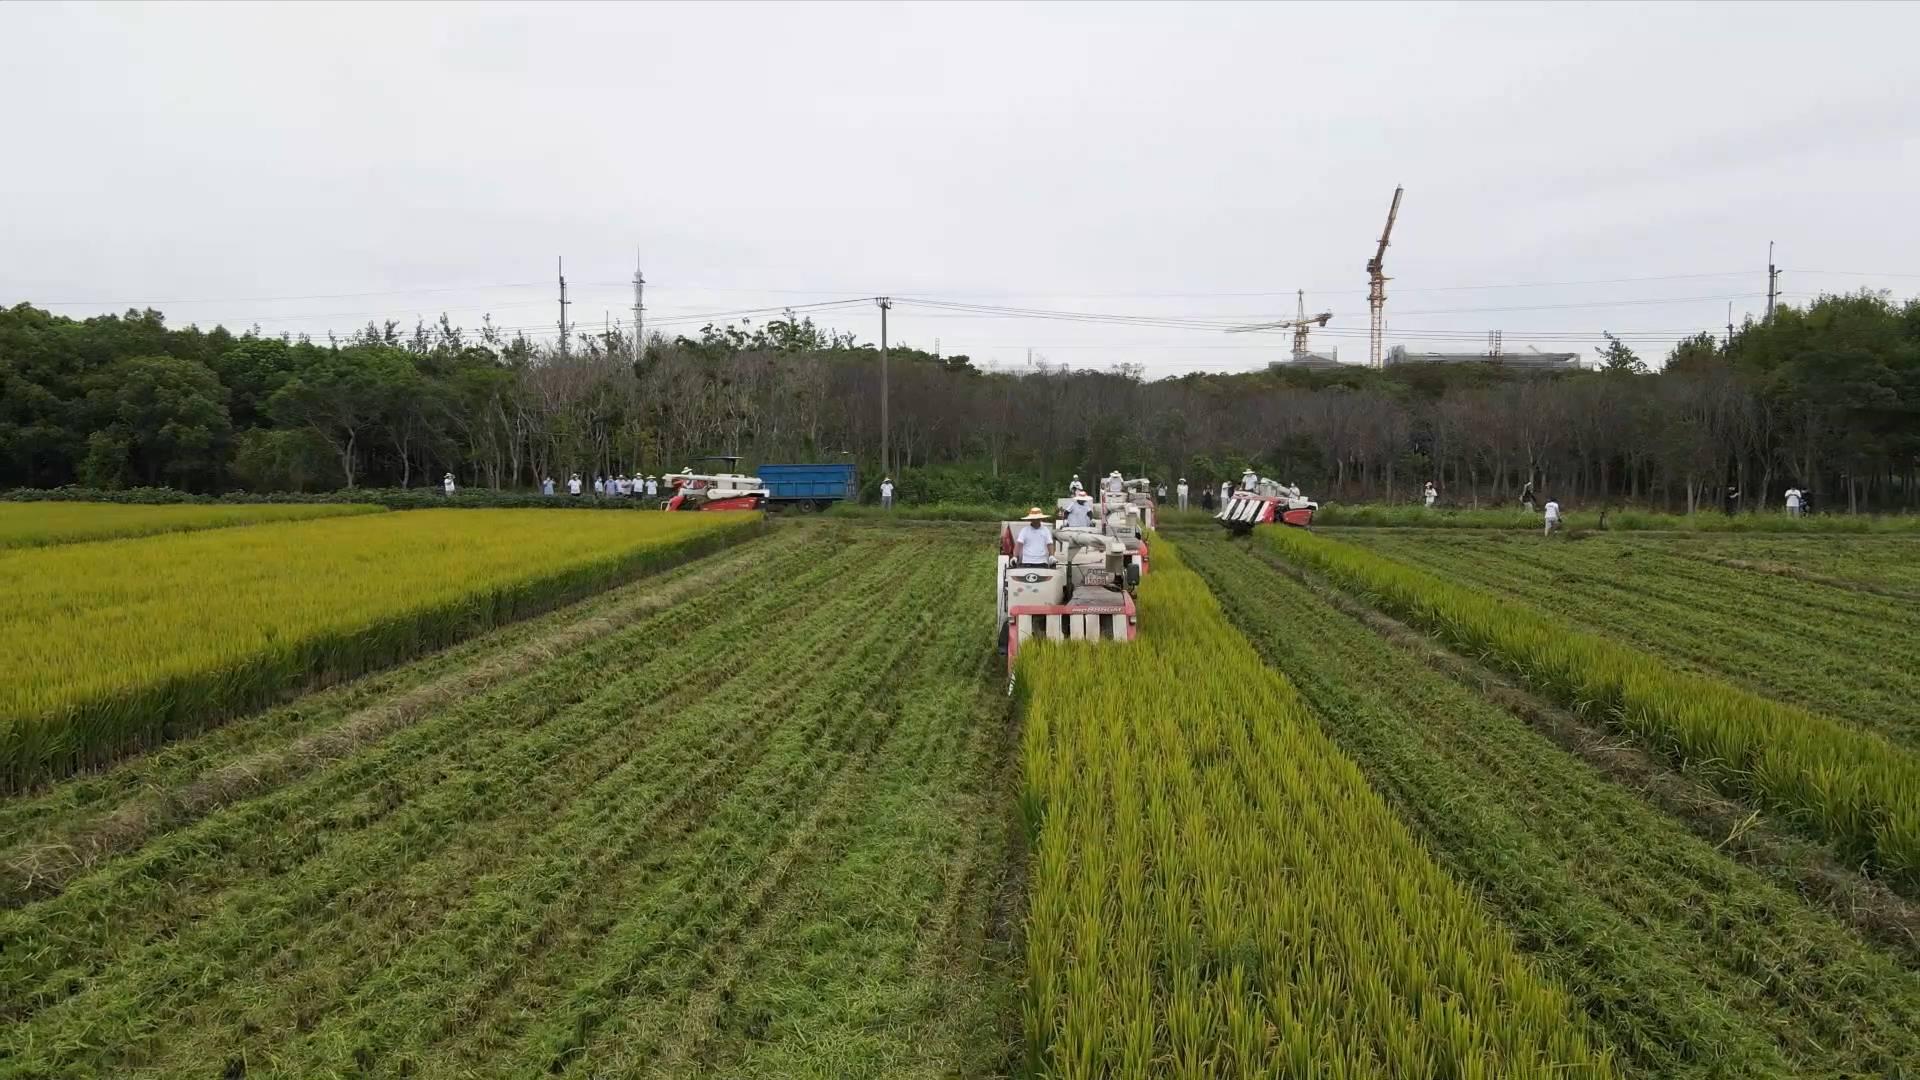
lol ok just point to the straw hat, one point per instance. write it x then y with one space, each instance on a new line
1035 514
1083 497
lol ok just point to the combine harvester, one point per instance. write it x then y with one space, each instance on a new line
1266 502
715 491
1084 591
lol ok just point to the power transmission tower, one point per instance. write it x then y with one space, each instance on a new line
1377 280
1494 351
639 328
1773 282
886 466
563 306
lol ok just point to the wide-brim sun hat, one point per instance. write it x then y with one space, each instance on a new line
1035 514
1083 497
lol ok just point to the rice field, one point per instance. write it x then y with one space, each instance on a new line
37 524
515 793
123 644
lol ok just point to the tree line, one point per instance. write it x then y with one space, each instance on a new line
1825 397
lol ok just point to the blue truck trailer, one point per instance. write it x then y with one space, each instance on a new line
807 488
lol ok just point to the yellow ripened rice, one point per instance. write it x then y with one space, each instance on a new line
1216 891
117 645
35 524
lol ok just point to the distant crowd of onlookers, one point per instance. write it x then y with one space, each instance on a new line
601 487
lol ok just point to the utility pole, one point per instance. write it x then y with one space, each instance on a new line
1729 322
639 328
1773 283
563 306
886 467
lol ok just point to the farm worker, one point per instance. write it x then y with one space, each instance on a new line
1526 495
1075 487
1161 492
1226 492
1248 479
573 484
1080 514
1553 517
1033 545
448 483
886 492
653 486
626 485
1115 484
1180 492
599 485
546 486
1431 494
1793 502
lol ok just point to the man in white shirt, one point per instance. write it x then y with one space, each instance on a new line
1248 479
653 486
573 484
546 486
1180 492
1075 487
1226 493
886 493
1432 493
1033 544
1793 502
448 484
1553 516
1160 493
1115 484
1080 514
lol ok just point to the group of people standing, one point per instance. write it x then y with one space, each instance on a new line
609 487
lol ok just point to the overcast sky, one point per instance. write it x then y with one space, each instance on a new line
312 167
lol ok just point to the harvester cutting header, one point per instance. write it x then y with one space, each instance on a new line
1261 501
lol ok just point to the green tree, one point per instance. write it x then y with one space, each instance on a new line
1617 357
155 419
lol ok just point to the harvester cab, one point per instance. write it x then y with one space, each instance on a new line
715 491
1266 502
1082 592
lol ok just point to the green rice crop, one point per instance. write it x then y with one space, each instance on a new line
124 644
40 524
1215 890
1855 788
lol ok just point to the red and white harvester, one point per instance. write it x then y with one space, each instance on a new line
714 491
1083 592
1266 502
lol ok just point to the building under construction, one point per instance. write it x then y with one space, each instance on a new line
1532 358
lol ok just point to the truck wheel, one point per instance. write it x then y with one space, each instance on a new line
807 506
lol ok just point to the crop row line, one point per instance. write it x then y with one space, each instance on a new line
1853 787
1216 891
1693 964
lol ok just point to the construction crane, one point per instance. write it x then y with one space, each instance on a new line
1377 278
1299 324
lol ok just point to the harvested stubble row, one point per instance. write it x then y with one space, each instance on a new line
748 834
1833 650
1405 516
1855 788
1692 964
1216 891
42 524
125 644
